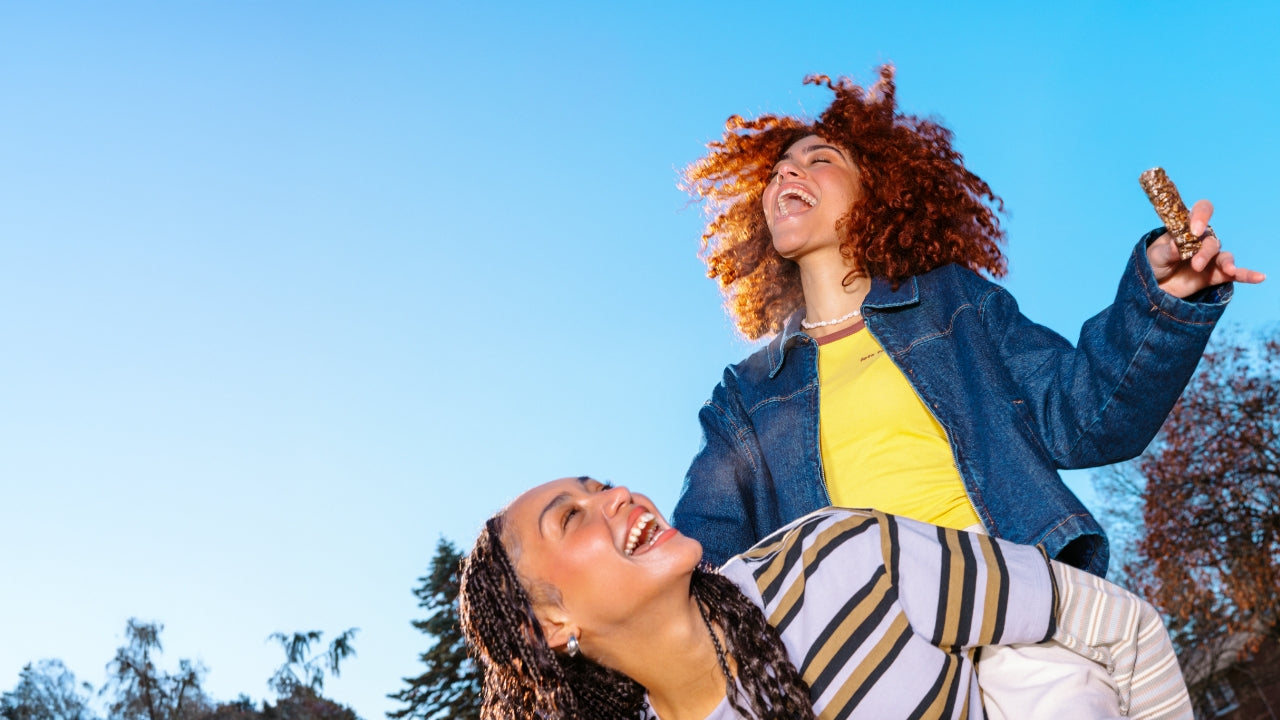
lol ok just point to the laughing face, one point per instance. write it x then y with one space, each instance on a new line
814 185
606 552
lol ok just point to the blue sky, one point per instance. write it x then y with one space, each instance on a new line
290 290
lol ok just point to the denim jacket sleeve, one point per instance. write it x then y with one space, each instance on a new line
714 502
1105 399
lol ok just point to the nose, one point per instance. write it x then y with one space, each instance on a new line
787 169
615 499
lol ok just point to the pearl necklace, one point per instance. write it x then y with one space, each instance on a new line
811 325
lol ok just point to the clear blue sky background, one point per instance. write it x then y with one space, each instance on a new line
290 290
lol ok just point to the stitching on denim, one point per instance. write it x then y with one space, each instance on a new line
1091 554
780 398
778 355
951 324
1102 411
739 434
991 293
1057 527
1155 305
983 512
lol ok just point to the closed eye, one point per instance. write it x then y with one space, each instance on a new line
568 515
571 509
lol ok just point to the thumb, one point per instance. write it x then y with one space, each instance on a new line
1163 253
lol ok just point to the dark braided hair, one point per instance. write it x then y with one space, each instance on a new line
524 678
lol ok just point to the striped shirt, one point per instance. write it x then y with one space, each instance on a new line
1123 633
880 614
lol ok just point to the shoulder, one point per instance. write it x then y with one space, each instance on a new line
958 278
946 286
744 377
835 551
813 532
753 366
957 286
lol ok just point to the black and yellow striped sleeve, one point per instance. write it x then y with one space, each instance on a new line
879 613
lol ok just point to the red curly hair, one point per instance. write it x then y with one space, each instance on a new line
921 208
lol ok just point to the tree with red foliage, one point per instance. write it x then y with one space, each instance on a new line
1206 550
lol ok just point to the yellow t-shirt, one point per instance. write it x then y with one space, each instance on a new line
881 447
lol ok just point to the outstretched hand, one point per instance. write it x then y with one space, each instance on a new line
1209 266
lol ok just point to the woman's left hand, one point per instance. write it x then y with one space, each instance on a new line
1209 266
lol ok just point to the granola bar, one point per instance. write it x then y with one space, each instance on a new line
1172 211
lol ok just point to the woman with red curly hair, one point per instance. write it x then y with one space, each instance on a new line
897 377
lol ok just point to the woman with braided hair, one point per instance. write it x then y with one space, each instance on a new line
503 617
580 601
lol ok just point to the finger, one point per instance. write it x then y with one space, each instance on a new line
1251 277
1163 252
1200 214
1210 246
1227 264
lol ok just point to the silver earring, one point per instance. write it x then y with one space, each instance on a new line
571 647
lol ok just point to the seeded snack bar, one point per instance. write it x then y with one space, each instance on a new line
1169 206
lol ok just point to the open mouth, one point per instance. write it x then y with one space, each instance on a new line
794 200
642 534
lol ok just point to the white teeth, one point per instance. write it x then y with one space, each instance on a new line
797 193
633 537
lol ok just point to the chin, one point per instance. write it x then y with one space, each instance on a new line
693 547
787 252
791 248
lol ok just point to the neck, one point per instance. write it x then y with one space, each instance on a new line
826 297
675 660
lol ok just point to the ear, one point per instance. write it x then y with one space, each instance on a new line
556 626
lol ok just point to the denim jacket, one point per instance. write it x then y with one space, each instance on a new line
1017 402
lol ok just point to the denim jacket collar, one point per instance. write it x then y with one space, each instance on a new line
880 296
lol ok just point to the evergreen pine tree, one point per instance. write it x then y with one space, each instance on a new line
450 687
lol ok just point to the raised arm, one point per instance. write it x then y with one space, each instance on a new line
1102 400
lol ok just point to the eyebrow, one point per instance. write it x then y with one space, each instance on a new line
557 501
812 149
